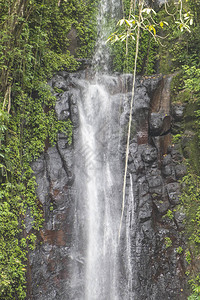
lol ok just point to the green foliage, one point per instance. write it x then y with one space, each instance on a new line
195 284
192 82
179 250
176 138
194 297
178 93
169 214
168 242
34 44
185 90
170 25
146 60
180 48
188 256
191 202
123 60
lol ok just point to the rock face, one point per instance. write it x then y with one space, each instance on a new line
154 231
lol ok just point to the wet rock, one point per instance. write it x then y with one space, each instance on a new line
159 124
149 154
147 229
145 212
144 199
133 149
177 112
127 82
152 171
62 107
181 170
137 165
141 102
66 155
173 190
168 170
43 185
176 155
167 159
28 220
75 96
143 187
152 83
64 74
156 192
180 217
56 172
162 206
59 82
154 181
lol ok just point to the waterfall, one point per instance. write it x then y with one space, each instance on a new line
98 178
98 181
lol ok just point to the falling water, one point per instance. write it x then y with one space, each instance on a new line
97 132
98 179
98 184
109 12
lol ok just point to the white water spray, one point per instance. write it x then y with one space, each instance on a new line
98 180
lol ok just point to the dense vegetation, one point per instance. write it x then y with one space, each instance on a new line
123 55
34 43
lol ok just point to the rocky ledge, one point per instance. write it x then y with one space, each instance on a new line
154 220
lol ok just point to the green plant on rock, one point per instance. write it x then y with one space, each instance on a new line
190 200
192 82
169 214
179 250
195 285
168 242
188 257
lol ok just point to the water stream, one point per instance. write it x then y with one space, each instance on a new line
98 180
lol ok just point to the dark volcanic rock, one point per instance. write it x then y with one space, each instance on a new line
162 206
59 82
180 171
157 272
173 190
160 123
62 107
178 112
149 154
